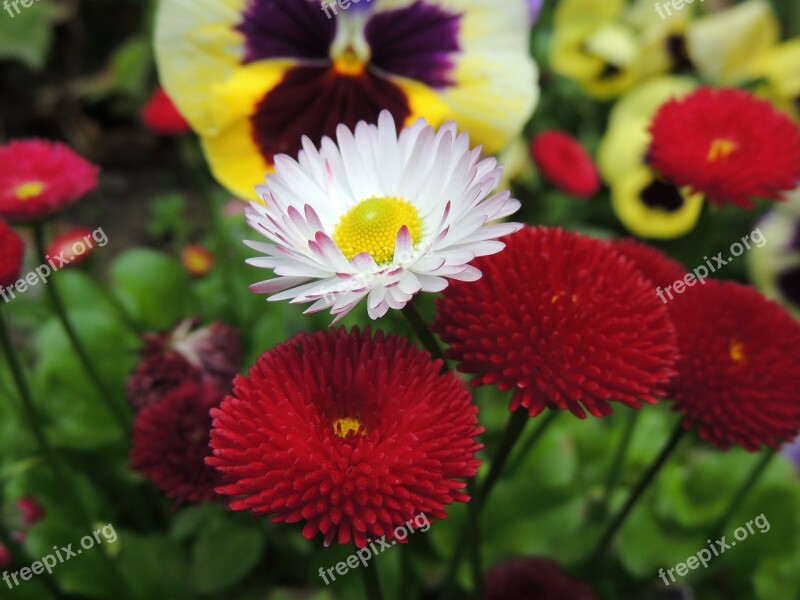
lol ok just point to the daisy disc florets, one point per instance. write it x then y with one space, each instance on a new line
378 216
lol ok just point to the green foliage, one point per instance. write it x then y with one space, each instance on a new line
28 35
152 287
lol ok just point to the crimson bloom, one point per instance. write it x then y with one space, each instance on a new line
162 116
655 265
39 178
6 560
74 245
23 514
565 163
726 144
564 321
350 433
536 577
30 510
170 443
12 250
739 372
209 355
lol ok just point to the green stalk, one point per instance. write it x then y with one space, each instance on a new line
532 440
743 491
35 423
52 290
470 533
228 266
371 582
17 553
33 419
424 334
636 492
619 459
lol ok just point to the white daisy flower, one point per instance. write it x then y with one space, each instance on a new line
377 217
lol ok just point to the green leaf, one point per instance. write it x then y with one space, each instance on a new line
131 66
28 34
168 219
191 520
85 574
83 421
644 547
154 568
153 287
224 554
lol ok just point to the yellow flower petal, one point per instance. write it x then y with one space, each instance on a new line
725 45
632 199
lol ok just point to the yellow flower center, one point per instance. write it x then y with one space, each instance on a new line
720 148
197 260
349 64
560 295
736 349
372 225
29 189
342 427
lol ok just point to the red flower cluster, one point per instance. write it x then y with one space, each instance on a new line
564 321
564 162
182 375
161 115
39 178
351 433
726 144
206 356
656 266
12 251
23 514
170 443
533 577
67 242
739 372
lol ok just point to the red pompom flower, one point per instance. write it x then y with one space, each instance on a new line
533 577
209 355
162 116
12 251
75 246
564 321
39 178
31 512
170 443
726 144
739 372
565 163
351 433
6 560
656 266
23 514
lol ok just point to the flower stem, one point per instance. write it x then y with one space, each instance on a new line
637 491
228 267
424 334
35 423
471 531
31 413
619 458
58 304
372 583
532 440
743 491
17 553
